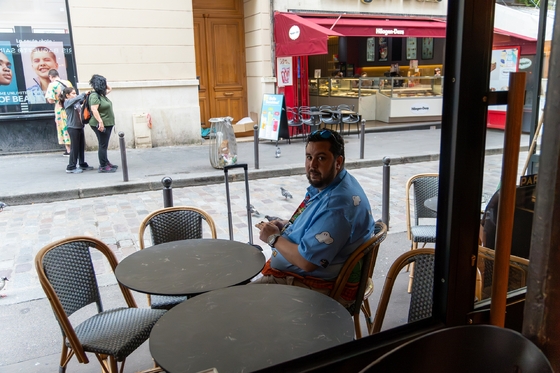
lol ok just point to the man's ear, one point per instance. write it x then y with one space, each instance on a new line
338 162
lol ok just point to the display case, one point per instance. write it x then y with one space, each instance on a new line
357 92
410 99
411 86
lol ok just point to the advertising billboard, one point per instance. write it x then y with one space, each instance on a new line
31 45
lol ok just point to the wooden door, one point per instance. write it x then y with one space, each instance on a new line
220 64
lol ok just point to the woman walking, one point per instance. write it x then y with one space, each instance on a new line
103 119
72 103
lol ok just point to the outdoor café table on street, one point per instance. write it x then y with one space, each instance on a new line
431 203
189 267
247 328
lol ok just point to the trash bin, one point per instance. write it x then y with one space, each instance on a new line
223 146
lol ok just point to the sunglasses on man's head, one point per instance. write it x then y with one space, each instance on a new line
325 134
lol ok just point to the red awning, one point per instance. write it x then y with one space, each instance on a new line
296 36
370 27
513 34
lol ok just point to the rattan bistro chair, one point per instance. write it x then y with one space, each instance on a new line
517 278
67 275
421 295
424 186
364 256
174 224
421 187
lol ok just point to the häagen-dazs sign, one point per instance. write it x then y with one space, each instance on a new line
419 108
294 32
384 31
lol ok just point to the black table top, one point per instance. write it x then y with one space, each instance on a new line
189 267
246 328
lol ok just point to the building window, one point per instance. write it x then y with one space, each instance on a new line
34 38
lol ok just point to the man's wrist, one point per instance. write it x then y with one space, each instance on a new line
272 239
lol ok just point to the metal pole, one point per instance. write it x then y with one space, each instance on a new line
256 144
124 164
386 191
167 192
362 140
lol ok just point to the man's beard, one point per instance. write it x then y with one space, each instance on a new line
325 179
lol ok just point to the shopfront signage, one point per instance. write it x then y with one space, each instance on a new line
524 63
386 32
294 32
420 108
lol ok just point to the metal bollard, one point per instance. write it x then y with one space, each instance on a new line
124 164
362 138
256 144
167 192
386 191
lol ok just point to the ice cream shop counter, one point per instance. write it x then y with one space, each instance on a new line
406 99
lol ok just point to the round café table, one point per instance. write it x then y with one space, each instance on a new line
247 328
431 203
189 267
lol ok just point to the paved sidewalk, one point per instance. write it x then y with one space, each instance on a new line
35 178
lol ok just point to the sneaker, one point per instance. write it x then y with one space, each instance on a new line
86 168
112 166
74 171
66 154
106 169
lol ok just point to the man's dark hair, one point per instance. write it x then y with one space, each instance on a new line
53 73
333 137
99 84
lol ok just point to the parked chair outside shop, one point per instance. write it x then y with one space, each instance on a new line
330 117
174 224
349 119
67 275
420 187
295 124
311 120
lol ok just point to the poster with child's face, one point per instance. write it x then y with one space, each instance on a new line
38 57
8 83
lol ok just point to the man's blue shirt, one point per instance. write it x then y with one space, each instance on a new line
335 222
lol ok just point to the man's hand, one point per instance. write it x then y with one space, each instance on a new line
288 249
267 229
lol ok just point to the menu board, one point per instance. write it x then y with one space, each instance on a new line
273 122
370 49
411 48
427 48
383 49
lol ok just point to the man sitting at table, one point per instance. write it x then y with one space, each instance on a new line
333 220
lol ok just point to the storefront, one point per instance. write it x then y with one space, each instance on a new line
515 49
398 58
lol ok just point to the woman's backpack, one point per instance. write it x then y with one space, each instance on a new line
85 112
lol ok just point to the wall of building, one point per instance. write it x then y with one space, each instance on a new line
145 49
258 45
400 7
